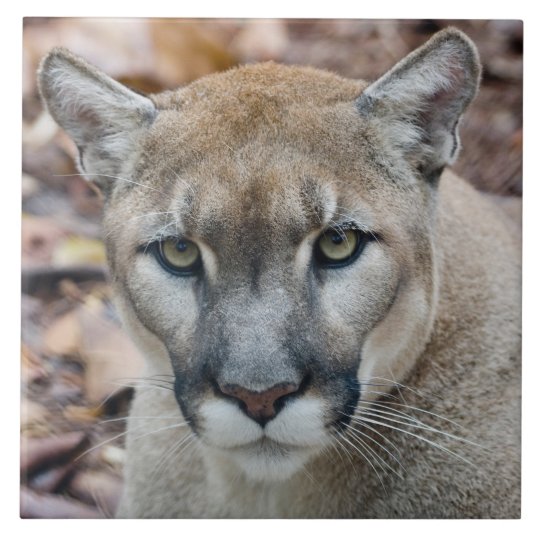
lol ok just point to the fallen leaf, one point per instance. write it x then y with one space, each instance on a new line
32 368
33 505
98 488
64 336
40 132
108 353
261 40
48 163
40 236
75 250
82 413
113 456
52 479
29 186
185 51
43 280
67 386
41 453
34 418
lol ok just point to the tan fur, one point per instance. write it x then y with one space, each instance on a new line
432 307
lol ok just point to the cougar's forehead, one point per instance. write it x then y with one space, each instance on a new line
268 199
246 210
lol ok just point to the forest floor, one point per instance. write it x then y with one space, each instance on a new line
78 366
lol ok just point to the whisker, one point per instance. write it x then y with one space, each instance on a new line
116 178
372 452
371 428
347 453
140 385
124 433
368 461
415 435
419 425
169 453
403 386
376 442
136 218
124 418
172 426
430 413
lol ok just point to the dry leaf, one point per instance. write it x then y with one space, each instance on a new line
76 250
82 414
51 480
40 453
40 132
97 488
34 418
29 186
64 336
67 386
113 456
261 40
108 354
184 51
40 235
32 368
35 505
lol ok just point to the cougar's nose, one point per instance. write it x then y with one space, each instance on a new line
260 406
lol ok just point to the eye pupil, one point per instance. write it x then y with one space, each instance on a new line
181 246
336 238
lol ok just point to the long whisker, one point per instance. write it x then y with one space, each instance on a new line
417 409
371 428
368 461
116 178
403 386
124 418
363 434
356 437
347 452
170 452
124 433
141 385
180 424
415 435
389 417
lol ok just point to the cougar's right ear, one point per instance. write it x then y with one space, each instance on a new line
417 105
103 117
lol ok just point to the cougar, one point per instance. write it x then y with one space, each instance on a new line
330 318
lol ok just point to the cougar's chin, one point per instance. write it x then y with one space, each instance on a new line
267 460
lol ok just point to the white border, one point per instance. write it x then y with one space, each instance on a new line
11 36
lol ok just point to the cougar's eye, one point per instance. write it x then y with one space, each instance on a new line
338 248
179 256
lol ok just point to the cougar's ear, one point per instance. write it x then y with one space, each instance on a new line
103 117
418 103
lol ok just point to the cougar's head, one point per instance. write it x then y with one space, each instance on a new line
270 234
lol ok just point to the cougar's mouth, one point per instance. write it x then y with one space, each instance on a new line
267 459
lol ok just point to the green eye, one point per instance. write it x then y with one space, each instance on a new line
179 256
338 248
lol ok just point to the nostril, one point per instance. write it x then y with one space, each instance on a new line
261 406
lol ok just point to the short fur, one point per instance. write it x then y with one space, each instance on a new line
407 360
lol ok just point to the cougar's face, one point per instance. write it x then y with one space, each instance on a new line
267 278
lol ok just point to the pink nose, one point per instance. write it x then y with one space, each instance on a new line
261 406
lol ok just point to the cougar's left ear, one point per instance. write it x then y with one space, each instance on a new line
418 103
103 117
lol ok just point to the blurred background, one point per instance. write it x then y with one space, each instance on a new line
78 367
